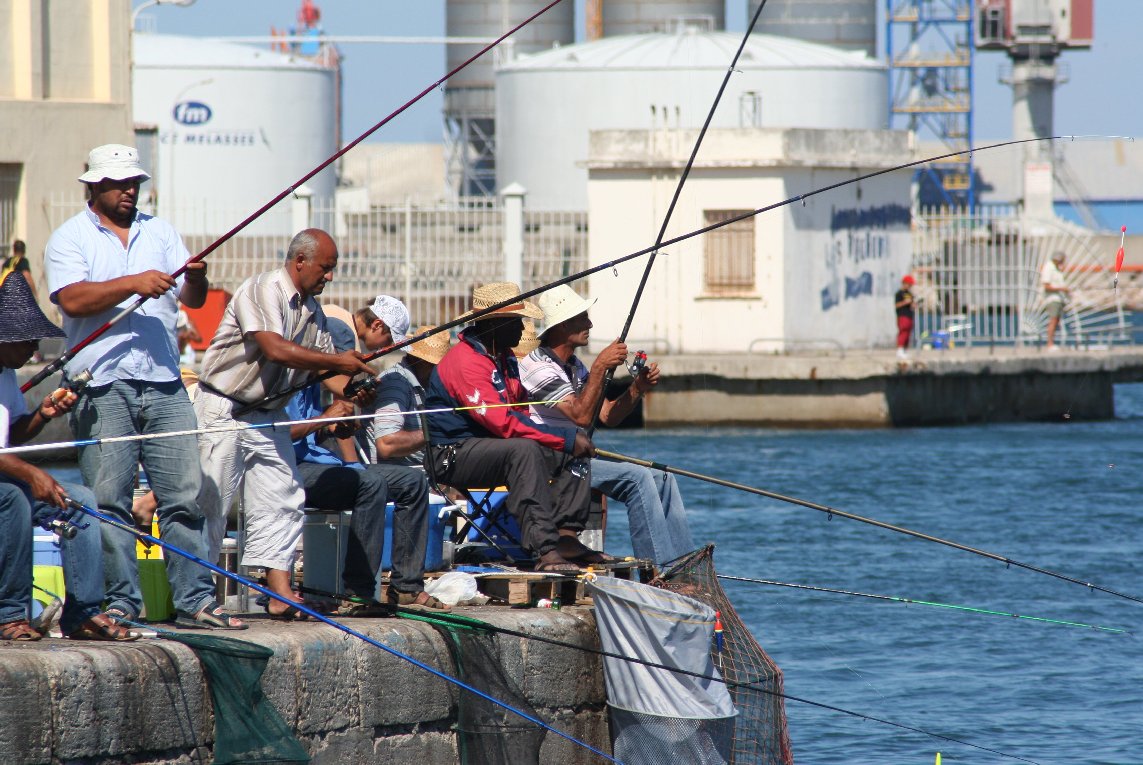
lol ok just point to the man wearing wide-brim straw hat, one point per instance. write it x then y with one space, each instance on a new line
482 443
552 372
30 495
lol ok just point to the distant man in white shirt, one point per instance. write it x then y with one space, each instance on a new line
1056 293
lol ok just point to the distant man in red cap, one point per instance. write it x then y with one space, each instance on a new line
903 302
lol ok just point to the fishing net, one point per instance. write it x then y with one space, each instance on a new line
658 714
488 734
760 732
247 727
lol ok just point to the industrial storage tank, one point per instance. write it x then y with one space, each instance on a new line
547 103
632 17
235 125
848 24
470 103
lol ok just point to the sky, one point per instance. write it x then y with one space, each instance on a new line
1098 99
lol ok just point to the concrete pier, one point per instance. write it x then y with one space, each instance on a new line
874 389
347 701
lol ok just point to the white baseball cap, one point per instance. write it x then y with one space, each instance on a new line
395 315
115 162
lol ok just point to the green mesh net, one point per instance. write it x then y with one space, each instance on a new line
247 727
760 732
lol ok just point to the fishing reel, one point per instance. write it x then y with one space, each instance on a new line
366 384
637 363
62 522
71 385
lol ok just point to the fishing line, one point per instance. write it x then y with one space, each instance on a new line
831 512
913 601
611 264
303 608
610 373
67 355
239 426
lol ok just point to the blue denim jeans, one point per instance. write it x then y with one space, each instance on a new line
82 557
128 407
658 522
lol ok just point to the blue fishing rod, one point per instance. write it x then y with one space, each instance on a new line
303 608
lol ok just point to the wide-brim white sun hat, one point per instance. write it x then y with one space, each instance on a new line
561 303
115 162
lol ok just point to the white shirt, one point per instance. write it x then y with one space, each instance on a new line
141 346
1051 276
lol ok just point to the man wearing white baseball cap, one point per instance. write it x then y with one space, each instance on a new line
99 262
552 372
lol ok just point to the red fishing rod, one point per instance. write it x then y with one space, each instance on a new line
607 377
70 353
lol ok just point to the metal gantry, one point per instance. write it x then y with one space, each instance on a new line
929 45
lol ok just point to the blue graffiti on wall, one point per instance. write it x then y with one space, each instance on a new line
858 236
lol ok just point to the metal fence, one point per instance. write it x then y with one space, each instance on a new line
978 280
429 256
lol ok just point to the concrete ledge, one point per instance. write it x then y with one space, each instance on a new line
347 701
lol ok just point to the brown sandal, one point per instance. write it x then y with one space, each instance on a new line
419 600
19 631
103 627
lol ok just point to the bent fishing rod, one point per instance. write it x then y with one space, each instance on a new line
303 608
70 353
611 264
916 602
610 373
832 511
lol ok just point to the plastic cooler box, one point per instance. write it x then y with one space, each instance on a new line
325 538
153 584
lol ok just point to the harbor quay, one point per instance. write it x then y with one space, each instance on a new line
148 702
875 389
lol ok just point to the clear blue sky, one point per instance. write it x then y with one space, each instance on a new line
1098 99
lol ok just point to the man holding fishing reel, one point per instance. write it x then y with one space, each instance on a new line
99 262
30 495
273 336
657 519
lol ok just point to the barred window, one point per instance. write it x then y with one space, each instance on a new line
729 253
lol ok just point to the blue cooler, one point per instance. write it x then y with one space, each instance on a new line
439 514
941 340
46 550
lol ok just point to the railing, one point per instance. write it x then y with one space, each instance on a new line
430 256
789 344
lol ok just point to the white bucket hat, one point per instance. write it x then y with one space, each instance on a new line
113 161
561 303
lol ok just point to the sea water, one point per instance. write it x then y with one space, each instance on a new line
1062 496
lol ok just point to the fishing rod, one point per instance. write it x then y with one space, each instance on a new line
684 237
913 601
238 427
303 608
611 264
832 511
67 355
610 373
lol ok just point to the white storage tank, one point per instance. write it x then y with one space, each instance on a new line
236 126
547 103
492 18
848 24
633 17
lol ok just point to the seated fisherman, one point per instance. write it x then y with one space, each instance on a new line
658 522
29 495
393 450
493 444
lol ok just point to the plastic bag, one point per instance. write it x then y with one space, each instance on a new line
453 588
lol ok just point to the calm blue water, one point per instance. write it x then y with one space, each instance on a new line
1058 496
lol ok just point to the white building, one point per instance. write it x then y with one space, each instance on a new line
822 273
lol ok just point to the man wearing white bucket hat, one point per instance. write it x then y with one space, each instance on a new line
99 262
478 441
552 372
